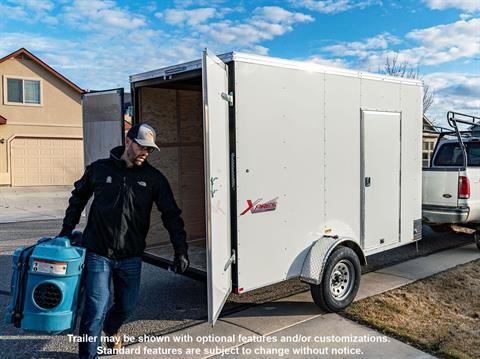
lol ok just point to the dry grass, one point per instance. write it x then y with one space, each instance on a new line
440 314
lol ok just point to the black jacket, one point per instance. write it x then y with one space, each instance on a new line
119 217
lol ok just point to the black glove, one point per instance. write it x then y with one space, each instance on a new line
65 232
180 263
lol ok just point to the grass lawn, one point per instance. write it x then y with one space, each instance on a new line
439 314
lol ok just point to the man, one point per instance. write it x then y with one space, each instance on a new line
125 186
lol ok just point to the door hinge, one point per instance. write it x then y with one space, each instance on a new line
230 261
228 97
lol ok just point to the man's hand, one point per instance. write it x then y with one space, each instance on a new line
65 232
180 263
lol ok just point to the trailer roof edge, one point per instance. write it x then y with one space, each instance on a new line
270 61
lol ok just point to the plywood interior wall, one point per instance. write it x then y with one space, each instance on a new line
177 117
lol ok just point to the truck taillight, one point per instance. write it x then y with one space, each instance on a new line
463 187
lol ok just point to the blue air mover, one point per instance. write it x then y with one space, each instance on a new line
45 288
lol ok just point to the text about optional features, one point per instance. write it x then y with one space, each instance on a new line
240 345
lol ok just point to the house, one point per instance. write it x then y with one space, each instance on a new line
430 136
41 135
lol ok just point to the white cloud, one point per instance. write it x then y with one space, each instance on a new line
12 12
362 48
436 45
444 43
458 92
264 24
37 5
328 62
190 17
105 51
29 11
188 3
13 41
467 5
466 16
333 6
103 15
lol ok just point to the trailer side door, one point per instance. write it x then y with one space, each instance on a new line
381 158
217 175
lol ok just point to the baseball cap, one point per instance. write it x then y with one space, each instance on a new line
143 134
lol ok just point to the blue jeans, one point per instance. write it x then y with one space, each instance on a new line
98 273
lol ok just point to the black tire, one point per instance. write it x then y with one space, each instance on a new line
476 236
342 265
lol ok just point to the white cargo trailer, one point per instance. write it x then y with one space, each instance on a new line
283 169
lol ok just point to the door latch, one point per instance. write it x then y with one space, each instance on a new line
228 97
230 261
367 181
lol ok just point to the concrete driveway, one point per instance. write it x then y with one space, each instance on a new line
21 204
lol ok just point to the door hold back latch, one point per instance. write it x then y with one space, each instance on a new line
228 97
230 261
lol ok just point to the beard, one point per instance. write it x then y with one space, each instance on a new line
137 160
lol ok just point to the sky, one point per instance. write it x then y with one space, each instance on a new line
97 44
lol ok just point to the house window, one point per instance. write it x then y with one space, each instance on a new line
427 150
23 91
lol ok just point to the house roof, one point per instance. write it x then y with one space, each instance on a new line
3 120
428 124
35 59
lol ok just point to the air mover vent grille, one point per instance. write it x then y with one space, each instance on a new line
47 295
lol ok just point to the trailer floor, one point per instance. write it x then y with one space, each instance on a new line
167 301
196 253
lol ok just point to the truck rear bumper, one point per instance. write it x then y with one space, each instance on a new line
440 214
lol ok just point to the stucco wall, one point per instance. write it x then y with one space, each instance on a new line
59 115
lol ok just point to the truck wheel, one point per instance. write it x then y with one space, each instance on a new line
476 236
340 281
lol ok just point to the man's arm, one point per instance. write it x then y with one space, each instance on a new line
80 195
171 218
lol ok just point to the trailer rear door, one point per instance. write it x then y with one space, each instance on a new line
102 123
217 192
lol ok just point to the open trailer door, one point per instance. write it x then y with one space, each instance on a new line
217 175
102 113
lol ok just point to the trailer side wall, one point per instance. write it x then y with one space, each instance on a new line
299 143
280 158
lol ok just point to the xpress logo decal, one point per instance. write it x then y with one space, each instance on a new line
259 207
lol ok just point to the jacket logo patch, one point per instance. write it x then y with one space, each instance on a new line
109 179
141 183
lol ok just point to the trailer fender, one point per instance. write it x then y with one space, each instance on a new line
318 254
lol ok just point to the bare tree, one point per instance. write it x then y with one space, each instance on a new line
394 68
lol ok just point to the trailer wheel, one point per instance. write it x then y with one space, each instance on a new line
340 281
476 236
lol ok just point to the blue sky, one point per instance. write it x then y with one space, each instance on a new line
98 43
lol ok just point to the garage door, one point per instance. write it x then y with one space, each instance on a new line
46 161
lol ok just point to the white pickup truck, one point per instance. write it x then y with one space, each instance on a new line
451 185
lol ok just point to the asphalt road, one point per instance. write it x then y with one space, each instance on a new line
168 302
